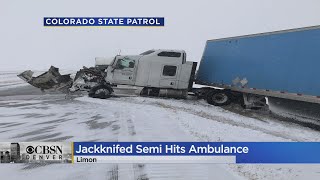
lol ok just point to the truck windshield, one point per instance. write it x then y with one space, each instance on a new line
125 63
147 52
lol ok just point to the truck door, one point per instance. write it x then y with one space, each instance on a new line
168 76
123 72
165 69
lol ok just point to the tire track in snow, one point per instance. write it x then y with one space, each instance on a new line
113 173
127 132
131 128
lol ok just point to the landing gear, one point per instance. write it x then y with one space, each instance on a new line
252 101
219 97
101 91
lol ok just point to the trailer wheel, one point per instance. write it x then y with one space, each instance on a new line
101 91
219 97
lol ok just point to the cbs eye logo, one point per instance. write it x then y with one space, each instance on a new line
30 149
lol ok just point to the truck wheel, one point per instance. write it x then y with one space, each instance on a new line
101 91
219 97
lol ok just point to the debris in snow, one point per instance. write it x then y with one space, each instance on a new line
50 80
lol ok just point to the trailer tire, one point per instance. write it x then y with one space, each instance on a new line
219 97
101 91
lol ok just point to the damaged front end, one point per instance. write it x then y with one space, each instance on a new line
51 80
87 78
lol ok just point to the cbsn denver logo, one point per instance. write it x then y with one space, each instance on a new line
44 152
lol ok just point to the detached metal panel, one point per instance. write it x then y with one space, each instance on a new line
281 61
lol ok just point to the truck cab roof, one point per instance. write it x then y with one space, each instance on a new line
156 51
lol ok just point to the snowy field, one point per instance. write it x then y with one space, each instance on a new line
28 115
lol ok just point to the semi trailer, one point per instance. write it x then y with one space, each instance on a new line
281 64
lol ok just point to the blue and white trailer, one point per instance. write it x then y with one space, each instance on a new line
283 64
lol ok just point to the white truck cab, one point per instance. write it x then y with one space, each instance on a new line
156 70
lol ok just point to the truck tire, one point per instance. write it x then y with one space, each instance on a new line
101 91
219 97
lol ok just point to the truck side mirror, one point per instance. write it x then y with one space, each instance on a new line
131 64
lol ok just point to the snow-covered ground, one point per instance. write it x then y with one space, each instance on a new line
9 79
26 116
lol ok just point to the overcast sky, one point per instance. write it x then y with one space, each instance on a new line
26 44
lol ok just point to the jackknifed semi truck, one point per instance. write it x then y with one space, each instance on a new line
282 64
